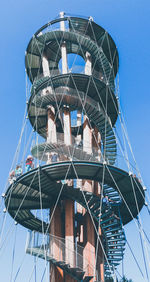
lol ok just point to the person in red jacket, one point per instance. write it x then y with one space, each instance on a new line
29 163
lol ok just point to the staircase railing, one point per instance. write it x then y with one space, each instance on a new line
55 249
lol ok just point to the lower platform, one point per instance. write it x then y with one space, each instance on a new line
24 194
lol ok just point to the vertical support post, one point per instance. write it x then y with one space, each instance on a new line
63 47
79 115
69 205
87 135
100 258
69 232
96 142
79 181
51 129
79 208
88 64
89 234
51 126
56 273
97 190
67 126
45 66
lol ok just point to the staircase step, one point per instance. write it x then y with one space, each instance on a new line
88 194
96 213
67 265
114 230
112 249
106 214
77 272
109 190
113 259
116 234
116 240
62 263
80 274
107 220
114 256
110 225
75 269
92 201
87 278
115 252
96 205
115 245
53 260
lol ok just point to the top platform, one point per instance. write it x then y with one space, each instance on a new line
81 36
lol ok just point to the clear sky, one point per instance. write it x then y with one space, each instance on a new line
128 22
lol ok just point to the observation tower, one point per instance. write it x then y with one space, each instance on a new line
88 196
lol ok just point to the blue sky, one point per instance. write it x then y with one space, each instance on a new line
128 23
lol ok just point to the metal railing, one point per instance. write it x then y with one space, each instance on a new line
58 249
81 70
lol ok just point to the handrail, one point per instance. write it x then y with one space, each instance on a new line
56 248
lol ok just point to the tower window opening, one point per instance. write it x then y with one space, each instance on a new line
76 63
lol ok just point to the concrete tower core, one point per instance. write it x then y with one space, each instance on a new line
74 108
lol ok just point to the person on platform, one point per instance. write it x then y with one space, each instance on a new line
29 163
54 158
18 171
12 177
